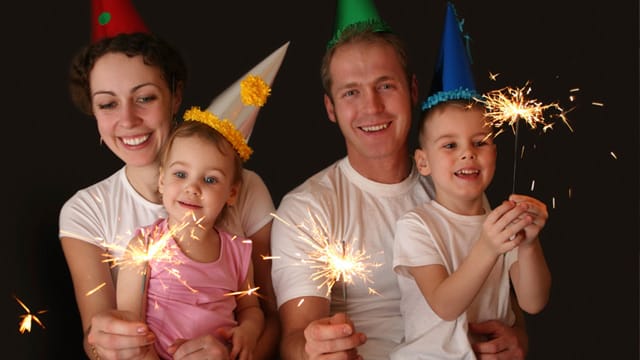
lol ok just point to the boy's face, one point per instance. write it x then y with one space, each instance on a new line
457 150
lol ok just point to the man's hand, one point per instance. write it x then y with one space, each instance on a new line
332 335
505 342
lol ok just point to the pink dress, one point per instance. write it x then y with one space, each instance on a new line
187 300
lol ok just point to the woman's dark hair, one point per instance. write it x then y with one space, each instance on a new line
154 51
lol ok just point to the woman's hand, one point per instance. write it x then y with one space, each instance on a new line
116 334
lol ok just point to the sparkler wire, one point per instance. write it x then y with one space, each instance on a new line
344 282
515 156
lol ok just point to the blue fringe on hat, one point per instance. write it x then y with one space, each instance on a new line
442 96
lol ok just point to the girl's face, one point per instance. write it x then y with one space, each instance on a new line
197 180
458 152
133 107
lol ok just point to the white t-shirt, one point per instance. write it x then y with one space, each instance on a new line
362 213
108 213
431 234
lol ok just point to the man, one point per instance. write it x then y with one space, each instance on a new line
369 93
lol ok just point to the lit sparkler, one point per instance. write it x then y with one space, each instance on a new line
332 260
507 106
140 253
157 248
28 318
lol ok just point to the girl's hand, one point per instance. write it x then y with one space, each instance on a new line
204 347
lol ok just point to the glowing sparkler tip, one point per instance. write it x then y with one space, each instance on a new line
508 105
332 260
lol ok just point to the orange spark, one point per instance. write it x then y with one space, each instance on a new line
92 291
249 291
28 318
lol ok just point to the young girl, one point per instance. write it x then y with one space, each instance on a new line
195 268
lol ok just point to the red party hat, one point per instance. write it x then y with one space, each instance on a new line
112 17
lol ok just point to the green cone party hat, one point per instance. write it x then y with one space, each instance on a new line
351 13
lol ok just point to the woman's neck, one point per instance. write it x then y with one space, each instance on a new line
144 180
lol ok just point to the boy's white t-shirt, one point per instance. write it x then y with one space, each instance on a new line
432 234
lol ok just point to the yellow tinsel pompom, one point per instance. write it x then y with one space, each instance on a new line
254 91
224 127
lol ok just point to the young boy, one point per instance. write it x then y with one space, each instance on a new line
454 256
449 251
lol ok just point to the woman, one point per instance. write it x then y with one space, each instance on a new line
133 85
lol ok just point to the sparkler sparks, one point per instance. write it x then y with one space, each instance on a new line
139 253
507 106
157 248
28 318
333 260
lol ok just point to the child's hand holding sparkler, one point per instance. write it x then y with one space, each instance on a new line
536 212
504 227
530 275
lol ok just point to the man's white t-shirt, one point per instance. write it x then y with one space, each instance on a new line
363 213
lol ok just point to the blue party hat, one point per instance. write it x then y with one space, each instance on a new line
453 79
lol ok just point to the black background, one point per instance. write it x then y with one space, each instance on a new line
591 240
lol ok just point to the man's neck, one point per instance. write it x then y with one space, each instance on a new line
388 170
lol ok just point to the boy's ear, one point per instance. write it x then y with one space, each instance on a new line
421 162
